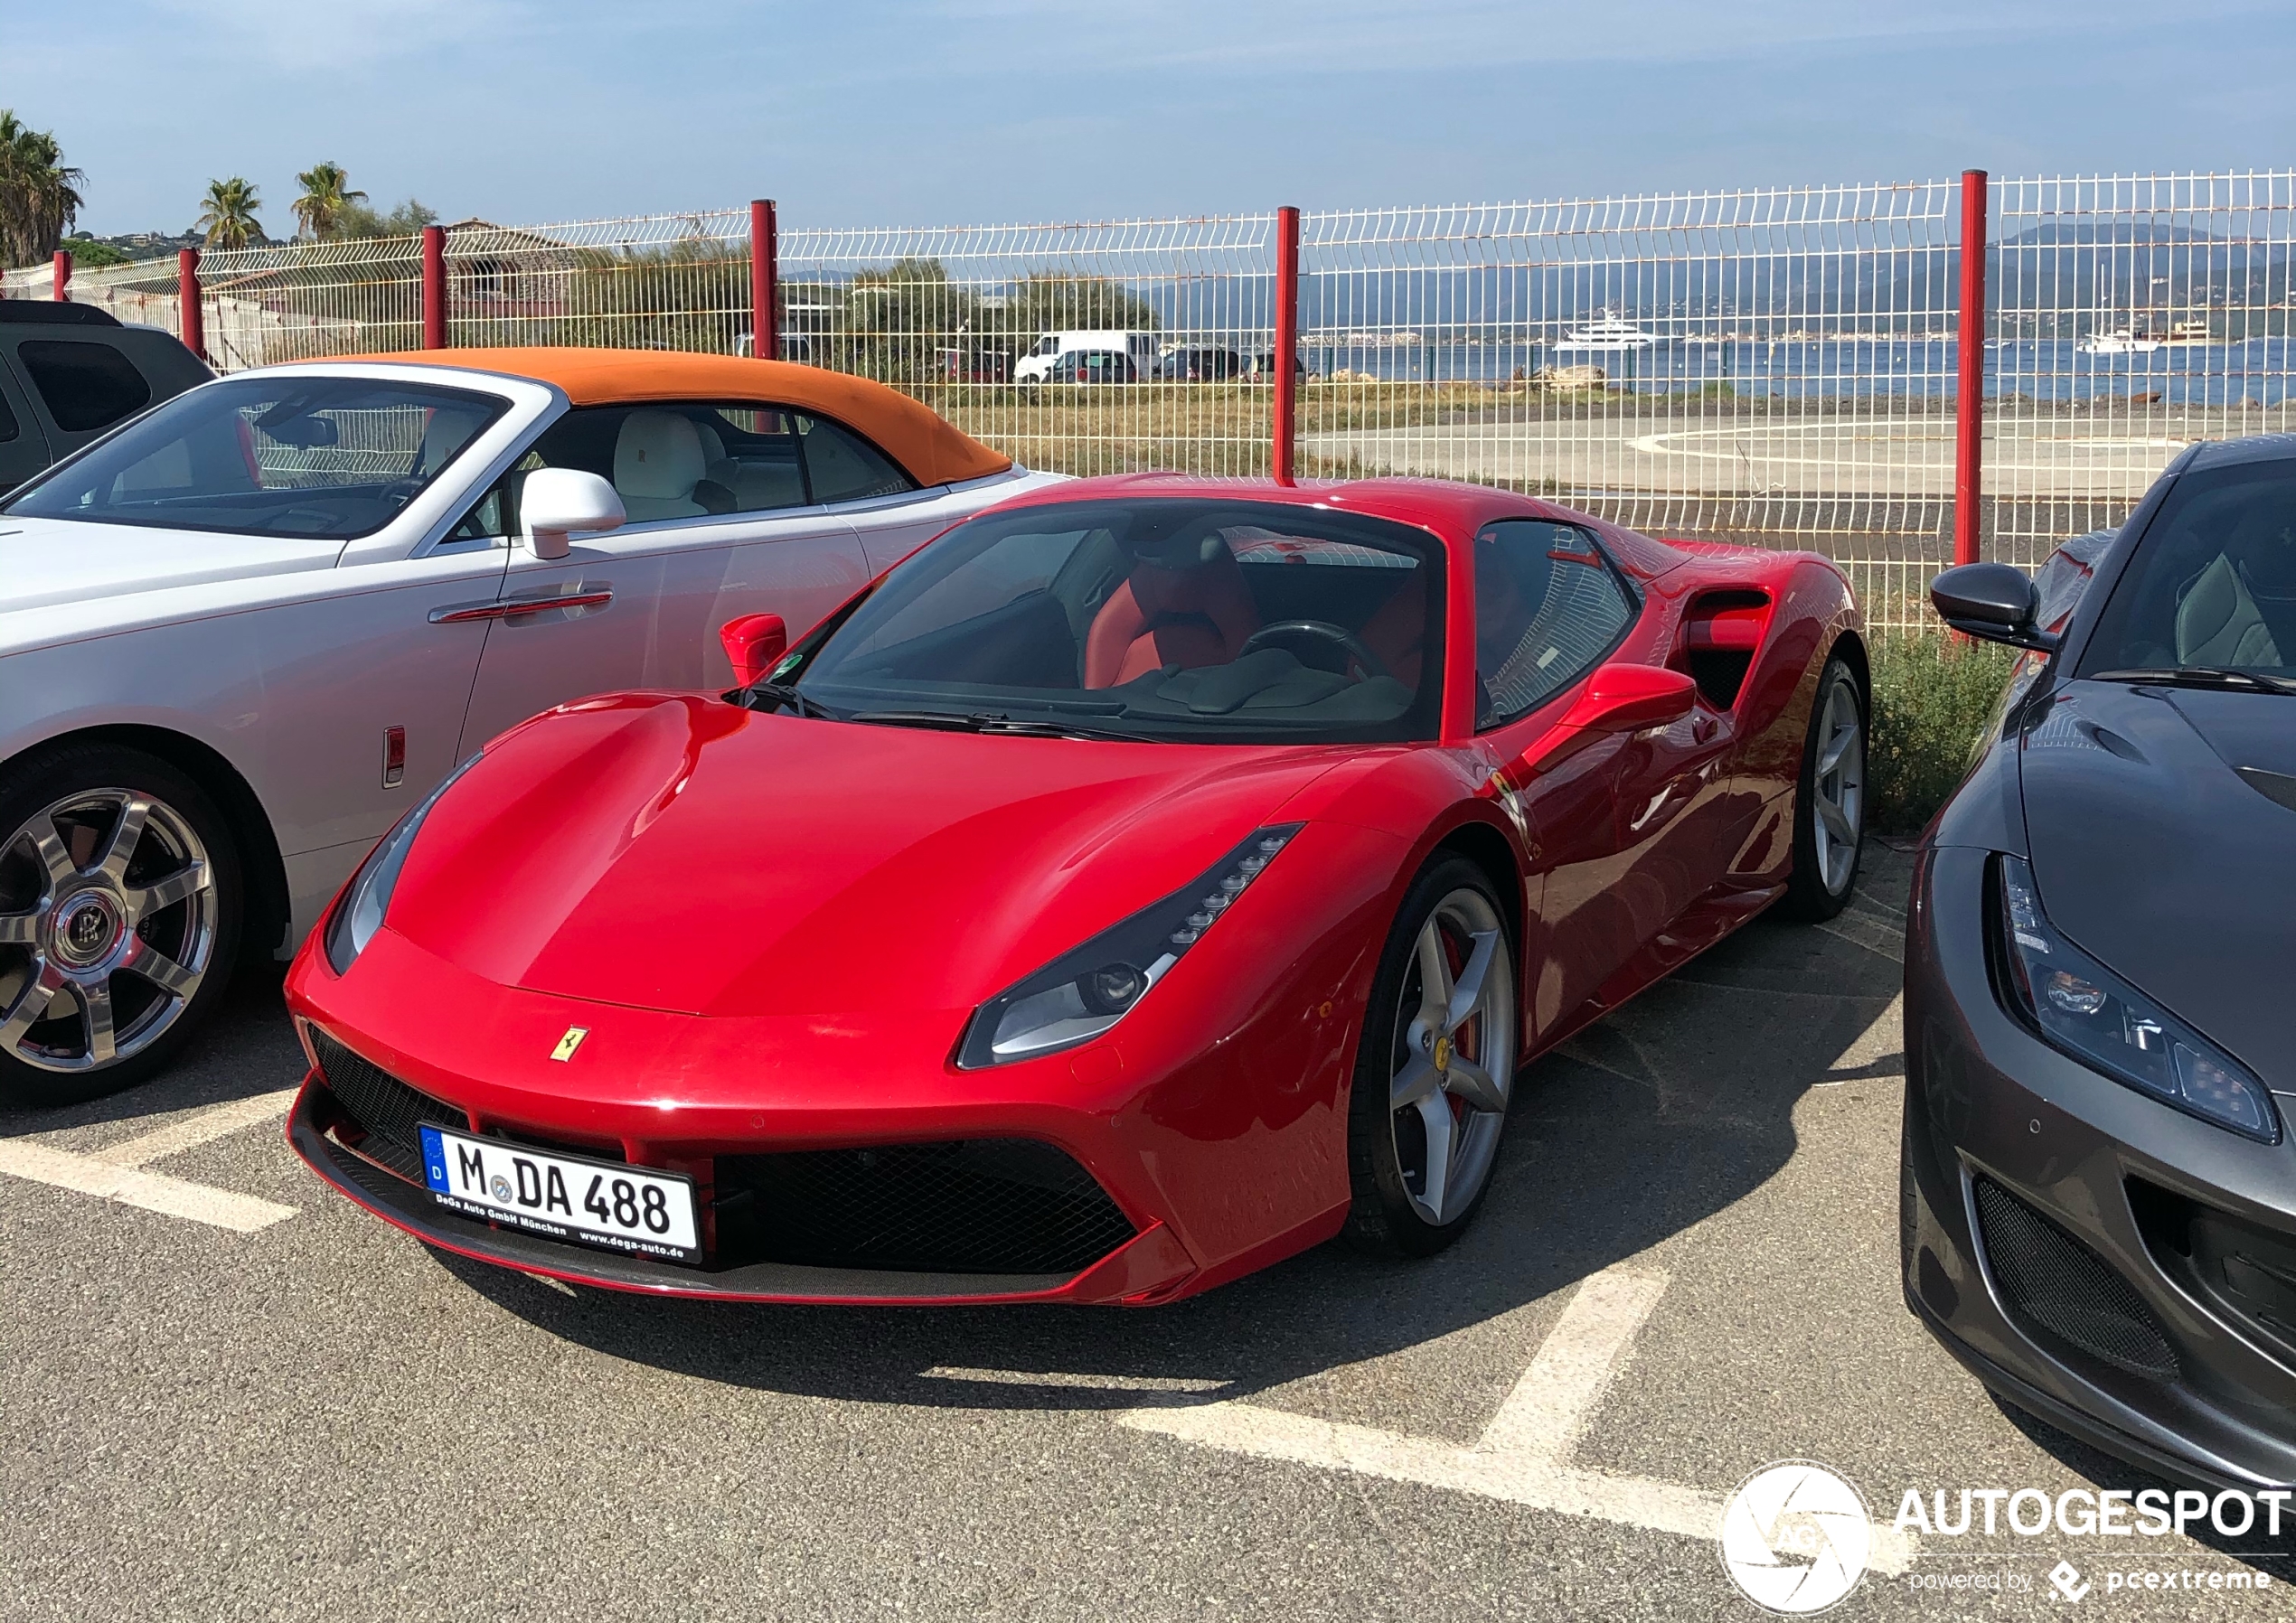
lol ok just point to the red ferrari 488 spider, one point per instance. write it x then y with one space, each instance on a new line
1145 881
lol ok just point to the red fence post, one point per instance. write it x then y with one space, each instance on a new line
764 278
62 272
1969 414
434 288
194 319
1287 337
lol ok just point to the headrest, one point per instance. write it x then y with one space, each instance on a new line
658 456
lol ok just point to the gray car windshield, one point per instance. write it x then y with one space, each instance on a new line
1163 618
2212 587
275 455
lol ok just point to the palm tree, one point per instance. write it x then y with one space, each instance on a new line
326 193
38 195
227 213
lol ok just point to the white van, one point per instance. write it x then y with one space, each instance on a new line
1036 366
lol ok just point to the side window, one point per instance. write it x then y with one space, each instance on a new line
683 459
1546 609
85 386
7 423
841 466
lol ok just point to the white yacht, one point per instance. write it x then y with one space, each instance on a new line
2118 341
1608 333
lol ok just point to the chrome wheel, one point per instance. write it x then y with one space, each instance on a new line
107 928
1452 1056
1838 785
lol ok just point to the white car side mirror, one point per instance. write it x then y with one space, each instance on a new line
555 502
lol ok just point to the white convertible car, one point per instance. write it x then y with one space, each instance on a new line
243 634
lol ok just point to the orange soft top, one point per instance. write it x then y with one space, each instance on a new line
929 449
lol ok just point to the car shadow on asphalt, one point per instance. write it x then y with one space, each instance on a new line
1660 1116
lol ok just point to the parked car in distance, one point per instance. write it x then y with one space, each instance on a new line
1200 366
1148 879
1093 366
1259 367
70 372
242 635
1038 365
2098 1198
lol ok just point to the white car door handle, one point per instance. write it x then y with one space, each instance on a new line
454 613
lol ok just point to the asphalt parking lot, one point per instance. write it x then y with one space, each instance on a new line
225 1394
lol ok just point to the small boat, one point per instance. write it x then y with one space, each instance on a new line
1608 333
2119 341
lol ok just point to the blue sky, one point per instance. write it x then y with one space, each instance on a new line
935 111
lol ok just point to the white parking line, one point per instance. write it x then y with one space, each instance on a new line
201 1127
1551 1405
1523 1455
118 1172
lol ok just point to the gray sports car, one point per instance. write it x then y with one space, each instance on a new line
2098 1203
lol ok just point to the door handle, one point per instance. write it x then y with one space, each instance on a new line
509 608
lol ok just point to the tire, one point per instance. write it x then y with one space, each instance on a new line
1830 802
1457 1071
110 957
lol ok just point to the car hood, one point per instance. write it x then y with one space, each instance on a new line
677 852
2155 853
46 561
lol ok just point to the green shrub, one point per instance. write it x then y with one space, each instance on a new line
1933 694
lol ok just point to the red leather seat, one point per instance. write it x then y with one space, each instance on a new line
1397 631
1199 616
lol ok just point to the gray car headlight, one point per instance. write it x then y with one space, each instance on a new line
359 914
1083 993
2079 1006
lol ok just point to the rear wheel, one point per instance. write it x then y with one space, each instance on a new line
1435 1066
1829 799
119 919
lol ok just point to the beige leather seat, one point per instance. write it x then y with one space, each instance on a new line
658 459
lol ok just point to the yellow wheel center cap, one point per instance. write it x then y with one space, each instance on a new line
1442 1054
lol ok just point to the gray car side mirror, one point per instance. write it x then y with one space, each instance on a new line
1995 602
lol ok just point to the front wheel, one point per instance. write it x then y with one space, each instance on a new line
119 919
1433 1067
1829 799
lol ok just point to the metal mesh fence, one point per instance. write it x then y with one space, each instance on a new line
2131 316
1165 322
1774 366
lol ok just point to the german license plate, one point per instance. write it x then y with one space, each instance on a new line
562 1197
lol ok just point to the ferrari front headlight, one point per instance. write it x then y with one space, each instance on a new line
2079 1006
1083 993
359 913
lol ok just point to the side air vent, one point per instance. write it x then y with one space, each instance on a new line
1720 632
2059 1289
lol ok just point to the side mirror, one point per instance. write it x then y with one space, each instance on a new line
1628 698
754 644
1995 602
555 502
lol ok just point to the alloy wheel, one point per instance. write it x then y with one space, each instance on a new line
1452 1056
107 927
1838 785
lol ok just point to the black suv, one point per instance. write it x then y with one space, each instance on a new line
68 372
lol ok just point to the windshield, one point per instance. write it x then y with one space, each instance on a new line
2212 586
1167 619
275 455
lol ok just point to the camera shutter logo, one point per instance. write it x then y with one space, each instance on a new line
1795 1538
